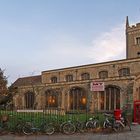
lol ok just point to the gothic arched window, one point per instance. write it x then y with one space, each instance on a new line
54 79
51 99
103 74
78 99
110 99
124 72
69 78
29 100
85 76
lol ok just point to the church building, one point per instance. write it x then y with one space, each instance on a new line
94 87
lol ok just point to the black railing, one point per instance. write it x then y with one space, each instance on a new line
39 115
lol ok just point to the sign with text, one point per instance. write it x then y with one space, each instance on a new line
33 111
97 86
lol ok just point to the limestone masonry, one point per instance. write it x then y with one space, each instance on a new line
70 88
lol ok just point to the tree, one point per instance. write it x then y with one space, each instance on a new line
3 83
5 93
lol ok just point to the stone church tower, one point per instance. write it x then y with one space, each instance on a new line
132 40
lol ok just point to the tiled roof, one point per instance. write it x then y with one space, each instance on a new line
27 81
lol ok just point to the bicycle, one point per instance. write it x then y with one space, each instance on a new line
124 119
111 123
17 124
4 124
80 126
30 128
124 122
92 123
68 127
58 124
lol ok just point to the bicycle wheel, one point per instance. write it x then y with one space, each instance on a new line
27 130
61 127
89 125
68 128
80 126
106 125
18 128
96 124
116 126
49 129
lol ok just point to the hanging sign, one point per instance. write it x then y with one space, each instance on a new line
97 86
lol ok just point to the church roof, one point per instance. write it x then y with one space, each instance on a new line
27 81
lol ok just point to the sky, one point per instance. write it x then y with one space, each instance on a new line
40 35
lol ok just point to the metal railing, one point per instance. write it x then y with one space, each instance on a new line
39 115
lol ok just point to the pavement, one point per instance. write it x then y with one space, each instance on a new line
125 135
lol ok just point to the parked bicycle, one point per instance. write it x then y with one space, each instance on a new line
57 124
124 122
111 123
92 123
68 127
30 128
4 123
124 119
17 123
80 126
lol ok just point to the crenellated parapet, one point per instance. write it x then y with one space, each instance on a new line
133 28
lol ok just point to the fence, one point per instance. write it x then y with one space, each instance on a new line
42 115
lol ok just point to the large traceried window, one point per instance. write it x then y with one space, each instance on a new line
137 40
54 79
51 99
29 100
103 74
69 78
110 99
78 99
124 72
85 76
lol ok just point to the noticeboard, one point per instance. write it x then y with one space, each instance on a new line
97 86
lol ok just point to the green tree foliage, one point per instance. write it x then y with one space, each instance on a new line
5 92
3 83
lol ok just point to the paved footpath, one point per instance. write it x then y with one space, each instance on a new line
127 135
